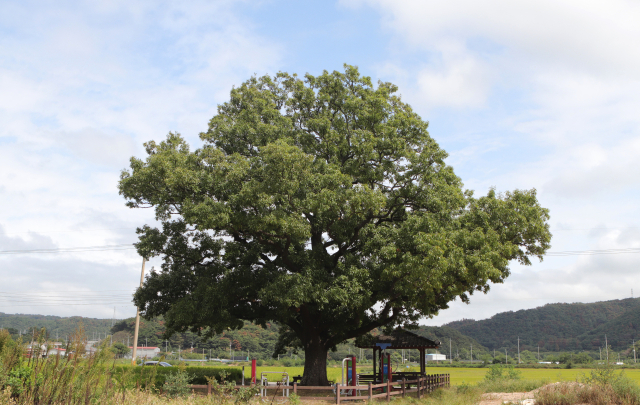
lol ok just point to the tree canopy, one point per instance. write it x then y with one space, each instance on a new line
321 203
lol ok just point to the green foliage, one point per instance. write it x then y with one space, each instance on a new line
5 341
511 385
466 396
559 327
18 377
119 349
54 380
602 387
321 203
444 333
507 379
602 374
176 384
294 399
223 388
63 326
196 375
498 372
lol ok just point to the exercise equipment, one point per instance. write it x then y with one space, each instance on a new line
253 371
351 374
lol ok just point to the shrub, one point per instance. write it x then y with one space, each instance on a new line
507 379
176 384
196 375
498 372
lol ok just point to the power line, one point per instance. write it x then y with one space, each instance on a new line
594 252
595 229
68 231
127 246
131 246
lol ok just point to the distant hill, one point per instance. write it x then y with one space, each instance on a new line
559 327
56 326
458 340
251 339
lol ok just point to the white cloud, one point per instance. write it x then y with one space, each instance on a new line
459 80
83 85
522 94
540 94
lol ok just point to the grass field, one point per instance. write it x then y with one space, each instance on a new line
458 375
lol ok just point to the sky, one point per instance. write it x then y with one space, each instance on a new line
528 94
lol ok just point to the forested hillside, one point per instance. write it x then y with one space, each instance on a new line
554 327
252 340
559 327
20 324
461 345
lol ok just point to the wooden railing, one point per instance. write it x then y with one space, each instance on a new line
420 386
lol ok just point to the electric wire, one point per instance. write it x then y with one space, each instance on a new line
131 246
593 252
64 298
127 246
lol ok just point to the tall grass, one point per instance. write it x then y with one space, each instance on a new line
77 378
602 386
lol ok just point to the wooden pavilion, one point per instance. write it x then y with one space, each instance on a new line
398 339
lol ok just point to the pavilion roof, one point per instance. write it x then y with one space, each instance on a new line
398 339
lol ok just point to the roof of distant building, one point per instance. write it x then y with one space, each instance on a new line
398 339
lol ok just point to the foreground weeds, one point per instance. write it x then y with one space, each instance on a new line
602 386
29 378
143 397
449 396
507 379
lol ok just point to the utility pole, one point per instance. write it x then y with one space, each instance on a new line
538 353
606 345
471 353
135 333
506 358
450 359
518 349
634 351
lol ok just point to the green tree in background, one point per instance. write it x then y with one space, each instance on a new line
119 349
323 204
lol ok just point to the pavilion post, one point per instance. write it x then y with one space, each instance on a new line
374 364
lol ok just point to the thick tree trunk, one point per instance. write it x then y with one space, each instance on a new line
315 364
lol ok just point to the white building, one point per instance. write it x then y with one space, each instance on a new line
435 357
55 351
148 352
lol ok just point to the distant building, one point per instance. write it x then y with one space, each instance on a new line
148 352
435 357
54 351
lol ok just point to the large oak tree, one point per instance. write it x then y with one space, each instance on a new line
323 204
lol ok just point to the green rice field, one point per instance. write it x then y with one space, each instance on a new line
458 375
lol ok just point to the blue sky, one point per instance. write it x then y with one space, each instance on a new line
521 94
